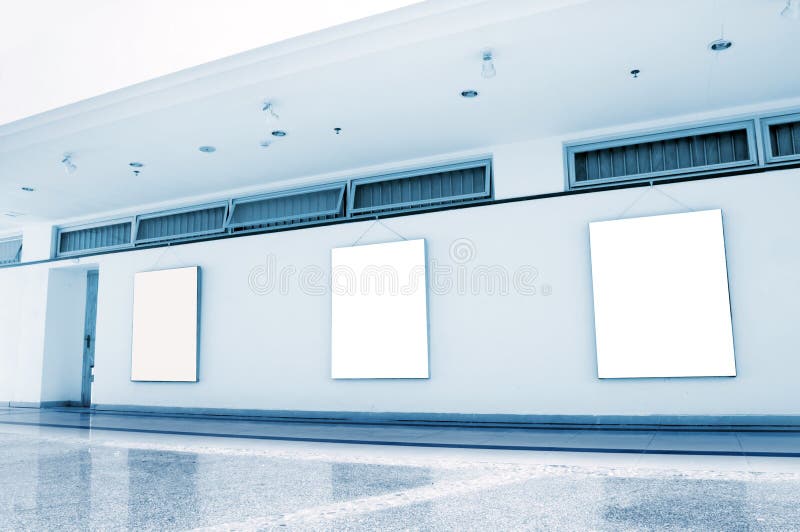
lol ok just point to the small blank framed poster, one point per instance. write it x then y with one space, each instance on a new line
661 304
165 318
379 320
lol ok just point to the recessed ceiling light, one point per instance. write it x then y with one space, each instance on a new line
720 45
265 143
28 189
469 93
12 214
207 149
136 164
279 133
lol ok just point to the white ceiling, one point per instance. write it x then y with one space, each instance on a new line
91 47
393 85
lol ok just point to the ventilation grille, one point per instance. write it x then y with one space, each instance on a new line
414 191
297 207
670 154
71 241
10 250
177 225
784 140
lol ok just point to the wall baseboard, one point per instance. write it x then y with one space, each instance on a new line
24 404
748 421
39 404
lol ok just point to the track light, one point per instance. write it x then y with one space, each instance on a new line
791 10
269 111
487 69
69 167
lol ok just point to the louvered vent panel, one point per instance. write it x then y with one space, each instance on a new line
664 155
10 250
181 225
299 207
72 241
784 139
419 191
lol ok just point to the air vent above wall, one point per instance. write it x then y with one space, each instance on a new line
10 250
287 208
100 236
421 189
191 222
781 138
661 155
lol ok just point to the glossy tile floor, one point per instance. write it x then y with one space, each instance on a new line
71 470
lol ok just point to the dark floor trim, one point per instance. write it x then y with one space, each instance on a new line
682 452
601 422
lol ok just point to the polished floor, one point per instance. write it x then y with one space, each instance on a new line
72 470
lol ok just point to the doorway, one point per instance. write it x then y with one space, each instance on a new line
89 327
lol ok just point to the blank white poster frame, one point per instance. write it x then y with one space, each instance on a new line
379 311
166 310
661 301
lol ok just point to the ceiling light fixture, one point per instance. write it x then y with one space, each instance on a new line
470 93
269 111
137 166
635 73
207 149
791 10
487 68
13 214
28 189
720 45
279 133
337 130
69 167
265 143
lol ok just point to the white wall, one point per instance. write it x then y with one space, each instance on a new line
63 344
512 354
23 292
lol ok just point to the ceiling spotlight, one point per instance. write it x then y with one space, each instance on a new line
792 9
207 149
487 68
337 130
28 189
269 111
635 73
469 93
720 44
265 143
279 133
69 167
136 164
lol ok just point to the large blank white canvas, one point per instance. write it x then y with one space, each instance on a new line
661 303
379 311
165 317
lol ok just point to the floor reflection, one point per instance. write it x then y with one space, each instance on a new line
70 469
352 481
678 504
162 489
74 483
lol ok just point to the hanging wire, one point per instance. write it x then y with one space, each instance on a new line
653 188
167 249
377 221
